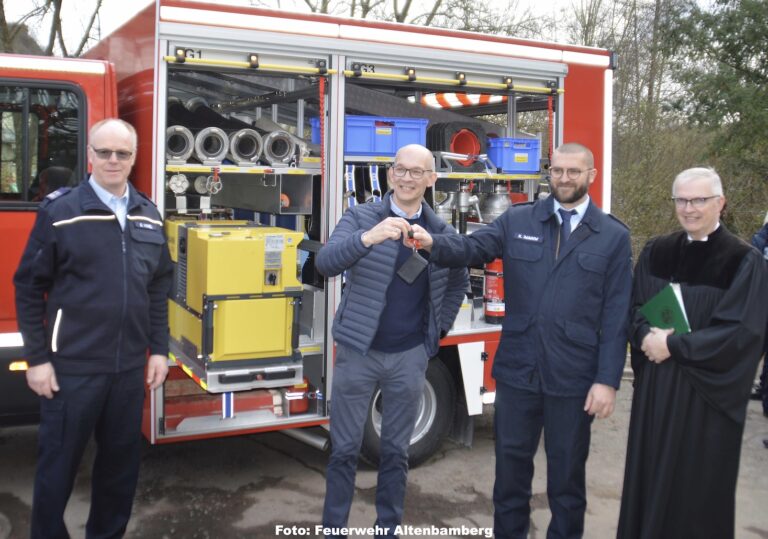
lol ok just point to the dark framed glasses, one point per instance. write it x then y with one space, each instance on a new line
416 173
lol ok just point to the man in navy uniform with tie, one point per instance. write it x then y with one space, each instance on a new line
567 284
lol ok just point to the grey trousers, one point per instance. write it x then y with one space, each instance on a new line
400 376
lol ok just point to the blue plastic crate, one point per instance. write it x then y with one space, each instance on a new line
314 123
382 136
515 155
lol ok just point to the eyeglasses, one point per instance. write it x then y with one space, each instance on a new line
416 173
573 173
105 154
698 202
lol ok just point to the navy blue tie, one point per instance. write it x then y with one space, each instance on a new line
565 228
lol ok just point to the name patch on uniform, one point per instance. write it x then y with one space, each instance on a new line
148 226
57 193
527 237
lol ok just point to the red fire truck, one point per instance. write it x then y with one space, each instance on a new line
257 129
46 107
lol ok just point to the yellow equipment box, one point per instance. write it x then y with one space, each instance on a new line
236 296
240 329
172 229
236 261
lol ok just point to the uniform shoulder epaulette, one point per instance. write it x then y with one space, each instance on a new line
146 197
526 203
622 223
58 193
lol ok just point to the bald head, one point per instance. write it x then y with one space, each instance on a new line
411 174
114 123
417 152
112 153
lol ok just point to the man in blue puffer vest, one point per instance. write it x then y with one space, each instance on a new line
92 301
393 311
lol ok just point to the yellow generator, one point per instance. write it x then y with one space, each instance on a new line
235 304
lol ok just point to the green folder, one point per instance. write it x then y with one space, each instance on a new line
665 311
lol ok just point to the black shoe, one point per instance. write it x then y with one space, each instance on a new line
765 443
757 392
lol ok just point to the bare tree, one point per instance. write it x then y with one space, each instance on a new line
591 19
87 32
46 18
651 144
318 6
363 8
475 15
9 32
430 17
509 19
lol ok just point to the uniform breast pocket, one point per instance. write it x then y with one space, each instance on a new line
593 263
591 270
525 251
147 245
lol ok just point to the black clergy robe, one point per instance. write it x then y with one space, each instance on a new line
688 412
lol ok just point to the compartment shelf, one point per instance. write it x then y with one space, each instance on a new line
233 169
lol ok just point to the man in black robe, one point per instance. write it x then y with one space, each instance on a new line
691 390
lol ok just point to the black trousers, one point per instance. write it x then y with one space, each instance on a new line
519 419
764 384
109 407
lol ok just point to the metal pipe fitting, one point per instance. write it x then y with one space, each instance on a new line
279 147
245 147
179 144
211 145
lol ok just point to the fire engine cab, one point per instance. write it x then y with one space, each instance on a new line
257 129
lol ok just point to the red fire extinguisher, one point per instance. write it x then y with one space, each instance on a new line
494 292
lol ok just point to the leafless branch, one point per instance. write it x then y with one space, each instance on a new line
433 12
9 33
55 27
402 15
87 31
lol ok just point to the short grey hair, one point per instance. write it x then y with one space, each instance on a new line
98 125
696 173
576 148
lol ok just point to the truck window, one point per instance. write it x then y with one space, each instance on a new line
42 140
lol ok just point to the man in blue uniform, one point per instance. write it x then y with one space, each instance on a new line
91 297
567 284
393 311
760 241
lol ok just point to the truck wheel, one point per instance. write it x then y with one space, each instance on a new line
435 416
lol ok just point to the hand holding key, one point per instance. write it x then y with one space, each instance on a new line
409 241
417 237
391 228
